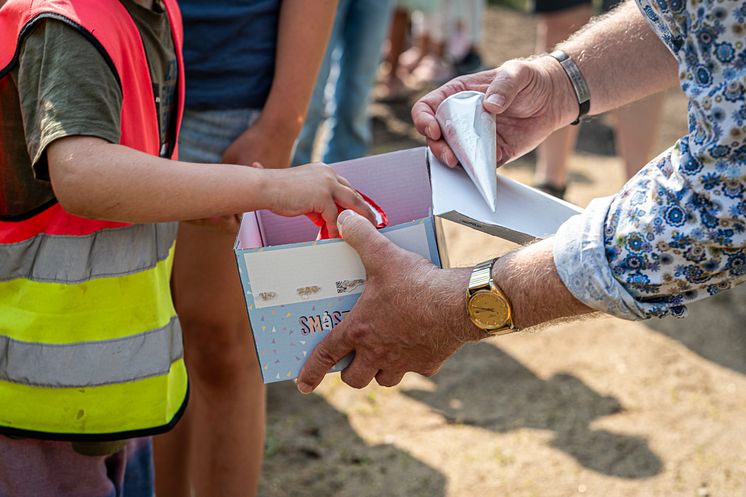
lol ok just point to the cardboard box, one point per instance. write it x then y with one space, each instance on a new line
298 289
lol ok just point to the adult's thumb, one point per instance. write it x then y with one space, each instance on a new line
361 235
510 79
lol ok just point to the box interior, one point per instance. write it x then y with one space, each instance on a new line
399 182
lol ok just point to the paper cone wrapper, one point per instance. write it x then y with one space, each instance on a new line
470 132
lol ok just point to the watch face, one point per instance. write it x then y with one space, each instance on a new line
488 311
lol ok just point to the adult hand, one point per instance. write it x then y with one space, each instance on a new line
314 189
530 100
410 317
265 142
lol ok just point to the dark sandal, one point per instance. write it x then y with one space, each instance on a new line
555 191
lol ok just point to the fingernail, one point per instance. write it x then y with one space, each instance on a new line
451 161
430 131
304 388
496 100
343 216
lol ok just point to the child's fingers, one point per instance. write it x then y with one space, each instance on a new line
329 215
344 181
348 198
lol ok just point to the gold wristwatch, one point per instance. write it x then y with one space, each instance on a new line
489 308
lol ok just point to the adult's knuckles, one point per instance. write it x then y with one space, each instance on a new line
389 381
357 334
323 359
354 380
429 372
377 354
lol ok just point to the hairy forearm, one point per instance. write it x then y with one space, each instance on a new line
304 31
96 179
621 58
530 280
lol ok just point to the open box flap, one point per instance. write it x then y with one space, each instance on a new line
522 213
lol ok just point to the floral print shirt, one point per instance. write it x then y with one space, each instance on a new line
676 232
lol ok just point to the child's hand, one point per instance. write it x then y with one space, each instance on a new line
313 189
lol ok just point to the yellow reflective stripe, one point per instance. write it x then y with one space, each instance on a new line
136 405
99 309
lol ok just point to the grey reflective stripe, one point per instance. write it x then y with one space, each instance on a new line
74 259
90 364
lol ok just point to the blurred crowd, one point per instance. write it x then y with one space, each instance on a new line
421 44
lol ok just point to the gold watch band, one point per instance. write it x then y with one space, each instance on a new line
481 276
481 280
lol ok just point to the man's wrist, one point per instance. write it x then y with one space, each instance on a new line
466 330
577 81
529 279
502 276
564 97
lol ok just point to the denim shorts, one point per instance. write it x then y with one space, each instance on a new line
206 134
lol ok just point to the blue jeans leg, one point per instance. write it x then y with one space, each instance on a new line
364 32
207 134
317 107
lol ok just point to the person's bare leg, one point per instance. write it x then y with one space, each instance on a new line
227 405
397 39
171 457
392 84
552 155
637 131
412 57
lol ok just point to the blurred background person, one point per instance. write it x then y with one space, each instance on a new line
428 61
250 71
464 40
392 87
636 123
444 39
345 82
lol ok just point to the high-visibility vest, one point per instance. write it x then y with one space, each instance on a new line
90 345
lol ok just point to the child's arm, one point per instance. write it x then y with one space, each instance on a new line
303 33
94 178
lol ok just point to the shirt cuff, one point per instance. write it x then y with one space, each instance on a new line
580 258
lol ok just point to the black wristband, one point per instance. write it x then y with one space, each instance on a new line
579 85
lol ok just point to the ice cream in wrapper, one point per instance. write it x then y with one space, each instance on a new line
382 219
470 132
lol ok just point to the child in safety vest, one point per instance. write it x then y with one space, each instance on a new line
91 97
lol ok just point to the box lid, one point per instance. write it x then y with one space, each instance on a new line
521 214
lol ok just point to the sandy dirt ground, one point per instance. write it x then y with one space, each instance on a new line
596 408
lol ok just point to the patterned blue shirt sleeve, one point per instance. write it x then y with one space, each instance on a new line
676 232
